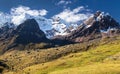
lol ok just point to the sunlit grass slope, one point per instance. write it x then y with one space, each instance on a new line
104 59
93 57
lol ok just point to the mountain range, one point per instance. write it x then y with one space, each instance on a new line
99 25
51 27
39 40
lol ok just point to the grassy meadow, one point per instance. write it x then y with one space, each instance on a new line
96 58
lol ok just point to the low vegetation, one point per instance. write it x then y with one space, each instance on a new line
94 57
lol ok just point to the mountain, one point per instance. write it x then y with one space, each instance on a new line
6 29
51 27
44 24
58 28
26 33
29 32
99 25
55 26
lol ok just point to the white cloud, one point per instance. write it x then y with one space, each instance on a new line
21 13
18 19
27 10
73 16
65 2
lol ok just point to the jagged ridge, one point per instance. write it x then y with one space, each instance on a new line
98 25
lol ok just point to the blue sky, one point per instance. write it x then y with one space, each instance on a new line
54 7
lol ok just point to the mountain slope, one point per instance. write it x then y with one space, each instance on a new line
88 62
99 25
104 55
55 26
26 33
29 32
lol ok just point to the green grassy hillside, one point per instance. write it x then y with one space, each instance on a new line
96 58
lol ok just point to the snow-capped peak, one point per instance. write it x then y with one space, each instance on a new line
59 26
55 26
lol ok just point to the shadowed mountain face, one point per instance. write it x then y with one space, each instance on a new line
29 32
97 26
26 33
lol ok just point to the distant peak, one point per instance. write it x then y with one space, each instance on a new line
97 13
98 25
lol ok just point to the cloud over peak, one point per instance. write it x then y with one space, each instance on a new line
27 10
75 15
20 14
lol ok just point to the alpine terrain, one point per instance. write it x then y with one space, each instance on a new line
53 46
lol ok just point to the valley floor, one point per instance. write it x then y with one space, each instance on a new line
103 59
